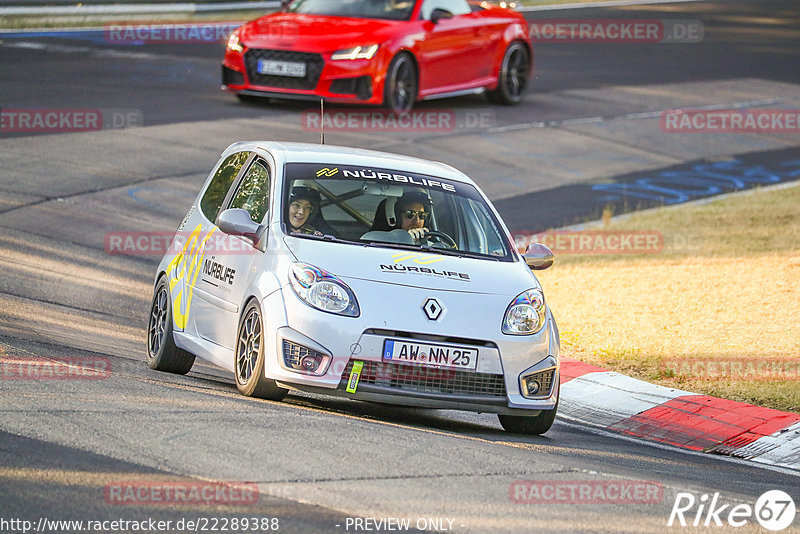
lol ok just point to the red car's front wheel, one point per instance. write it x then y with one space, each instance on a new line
400 90
513 76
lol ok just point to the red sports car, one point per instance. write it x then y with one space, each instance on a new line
390 52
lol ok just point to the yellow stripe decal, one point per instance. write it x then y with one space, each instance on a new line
186 266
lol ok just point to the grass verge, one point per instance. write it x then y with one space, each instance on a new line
716 311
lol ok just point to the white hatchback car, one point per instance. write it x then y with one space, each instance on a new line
362 274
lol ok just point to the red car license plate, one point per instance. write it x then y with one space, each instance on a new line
281 68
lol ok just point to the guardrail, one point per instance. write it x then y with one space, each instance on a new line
107 8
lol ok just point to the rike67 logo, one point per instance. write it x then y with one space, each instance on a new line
774 510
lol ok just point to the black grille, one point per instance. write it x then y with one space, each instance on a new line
231 77
361 87
344 86
294 353
545 379
429 337
429 380
314 64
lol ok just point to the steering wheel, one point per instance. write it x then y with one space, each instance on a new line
442 237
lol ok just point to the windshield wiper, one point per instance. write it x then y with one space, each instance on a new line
401 246
445 251
326 237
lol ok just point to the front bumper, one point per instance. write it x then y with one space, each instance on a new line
417 400
493 387
346 81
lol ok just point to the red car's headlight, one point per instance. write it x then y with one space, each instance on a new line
357 52
233 42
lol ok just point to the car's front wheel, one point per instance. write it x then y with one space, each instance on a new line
521 424
250 379
513 76
162 353
400 90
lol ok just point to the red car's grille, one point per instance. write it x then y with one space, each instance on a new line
313 62
429 380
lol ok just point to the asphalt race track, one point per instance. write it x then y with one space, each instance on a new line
591 119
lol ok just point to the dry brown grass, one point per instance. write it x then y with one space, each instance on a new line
730 290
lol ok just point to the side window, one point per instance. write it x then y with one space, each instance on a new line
484 237
456 7
215 194
253 192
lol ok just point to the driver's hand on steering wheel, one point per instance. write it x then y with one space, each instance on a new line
418 233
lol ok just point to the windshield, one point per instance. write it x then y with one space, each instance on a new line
370 9
386 207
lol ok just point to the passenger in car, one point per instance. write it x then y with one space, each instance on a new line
303 206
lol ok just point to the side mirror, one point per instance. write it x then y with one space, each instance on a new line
439 14
538 256
237 221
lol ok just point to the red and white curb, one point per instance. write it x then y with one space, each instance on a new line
618 403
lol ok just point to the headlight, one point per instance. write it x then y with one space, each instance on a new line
357 52
233 42
526 313
322 290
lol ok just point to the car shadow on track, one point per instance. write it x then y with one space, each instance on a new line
479 425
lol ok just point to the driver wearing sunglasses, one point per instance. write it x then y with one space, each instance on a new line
412 214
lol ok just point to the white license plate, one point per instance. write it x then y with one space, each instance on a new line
281 68
430 355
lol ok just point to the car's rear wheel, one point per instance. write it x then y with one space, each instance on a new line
249 370
513 77
521 424
162 353
400 90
